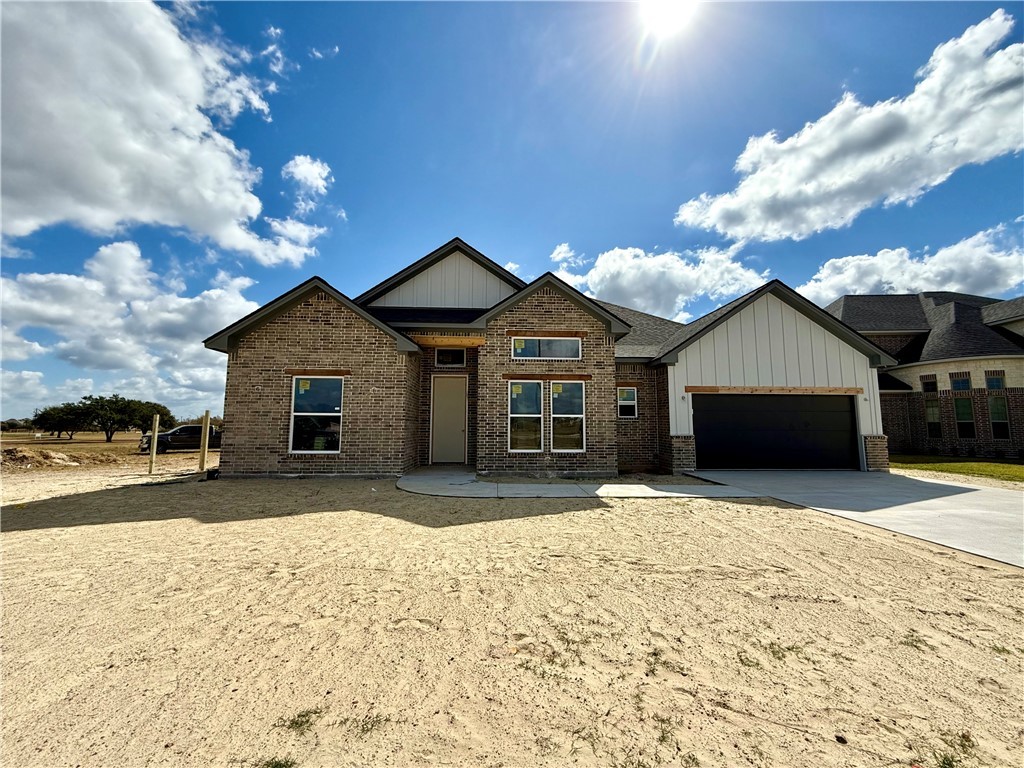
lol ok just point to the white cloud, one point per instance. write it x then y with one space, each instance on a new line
312 176
328 53
115 318
295 231
343 214
74 389
966 109
107 124
566 257
512 267
273 32
18 391
988 263
277 62
10 251
13 347
663 283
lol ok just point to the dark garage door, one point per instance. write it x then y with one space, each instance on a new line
775 432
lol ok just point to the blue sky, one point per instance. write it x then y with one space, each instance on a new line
166 169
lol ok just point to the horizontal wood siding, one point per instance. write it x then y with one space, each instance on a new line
455 281
770 344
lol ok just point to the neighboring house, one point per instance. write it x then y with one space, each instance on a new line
456 360
958 387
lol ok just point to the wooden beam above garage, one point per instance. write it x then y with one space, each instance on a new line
696 390
448 342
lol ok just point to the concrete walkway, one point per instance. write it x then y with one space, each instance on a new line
978 519
460 482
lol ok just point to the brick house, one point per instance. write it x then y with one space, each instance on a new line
456 360
958 386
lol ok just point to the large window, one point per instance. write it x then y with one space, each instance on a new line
525 417
528 348
964 409
933 418
568 422
316 414
995 380
1000 417
627 402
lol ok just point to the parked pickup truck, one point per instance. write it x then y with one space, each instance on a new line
186 437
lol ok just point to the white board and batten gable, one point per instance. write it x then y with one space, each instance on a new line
770 344
454 281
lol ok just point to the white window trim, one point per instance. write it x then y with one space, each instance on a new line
294 413
450 349
508 422
635 402
582 417
512 348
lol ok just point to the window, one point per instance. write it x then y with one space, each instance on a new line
1000 418
960 382
316 414
627 402
525 419
450 358
964 409
546 349
933 418
929 386
995 381
568 422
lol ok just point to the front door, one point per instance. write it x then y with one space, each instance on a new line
448 420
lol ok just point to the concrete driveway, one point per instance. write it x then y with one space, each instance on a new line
976 519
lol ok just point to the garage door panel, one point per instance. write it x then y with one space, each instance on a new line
775 432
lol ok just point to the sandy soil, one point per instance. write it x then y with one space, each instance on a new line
187 623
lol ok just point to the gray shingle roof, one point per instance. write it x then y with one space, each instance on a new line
1003 311
648 332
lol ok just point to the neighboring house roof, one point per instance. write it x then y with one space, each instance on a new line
889 383
647 334
454 245
948 325
225 339
692 332
615 325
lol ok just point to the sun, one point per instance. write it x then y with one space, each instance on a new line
665 18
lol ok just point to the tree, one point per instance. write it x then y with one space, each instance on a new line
109 414
66 417
142 415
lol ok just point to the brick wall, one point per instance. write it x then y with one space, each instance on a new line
637 439
890 343
546 310
903 420
876 453
319 333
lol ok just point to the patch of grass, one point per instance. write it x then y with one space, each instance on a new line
689 760
913 639
543 671
364 726
546 746
779 651
666 729
656 658
277 762
301 723
946 760
1002 649
585 734
746 661
997 469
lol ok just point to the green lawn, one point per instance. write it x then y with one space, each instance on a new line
999 469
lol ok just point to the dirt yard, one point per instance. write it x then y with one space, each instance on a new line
345 623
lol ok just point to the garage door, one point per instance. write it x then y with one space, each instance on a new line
775 432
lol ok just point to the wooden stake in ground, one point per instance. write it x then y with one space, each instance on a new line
204 442
152 442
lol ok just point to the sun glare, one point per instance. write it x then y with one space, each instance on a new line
665 18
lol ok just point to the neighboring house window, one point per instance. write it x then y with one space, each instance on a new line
525 417
930 386
450 358
316 414
964 409
546 348
960 382
1000 417
627 402
933 418
995 381
568 422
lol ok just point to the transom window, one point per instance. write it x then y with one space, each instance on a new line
627 402
568 418
960 382
1000 418
316 414
929 386
995 381
525 417
450 358
964 409
539 348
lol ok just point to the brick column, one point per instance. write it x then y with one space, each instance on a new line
684 454
876 453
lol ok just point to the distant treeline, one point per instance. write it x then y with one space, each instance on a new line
106 414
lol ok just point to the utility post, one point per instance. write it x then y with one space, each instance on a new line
204 442
152 442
